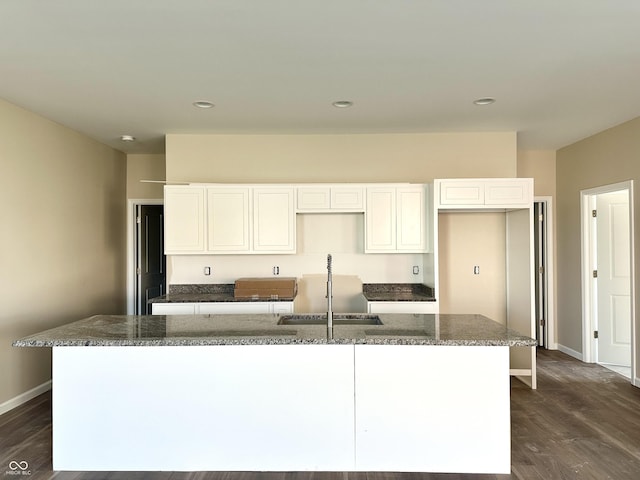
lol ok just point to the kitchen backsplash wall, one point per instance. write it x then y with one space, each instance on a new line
371 268
317 234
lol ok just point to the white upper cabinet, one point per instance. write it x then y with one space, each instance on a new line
228 219
184 217
261 219
396 220
484 193
234 219
274 220
327 198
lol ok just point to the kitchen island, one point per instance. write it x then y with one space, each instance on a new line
247 393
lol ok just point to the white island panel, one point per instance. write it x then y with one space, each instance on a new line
432 408
244 407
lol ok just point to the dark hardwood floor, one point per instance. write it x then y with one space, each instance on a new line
583 422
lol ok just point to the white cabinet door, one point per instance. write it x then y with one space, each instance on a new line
347 198
380 220
232 307
310 199
274 220
411 219
185 218
173 308
228 219
508 192
462 192
403 307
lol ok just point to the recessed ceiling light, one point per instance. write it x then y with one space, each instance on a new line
484 101
342 104
127 138
202 104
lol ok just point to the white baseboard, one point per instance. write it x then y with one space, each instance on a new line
636 383
24 397
570 352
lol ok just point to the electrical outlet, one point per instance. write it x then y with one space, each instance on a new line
207 270
476 270
416 269
276 270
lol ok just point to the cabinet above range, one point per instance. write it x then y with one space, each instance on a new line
261 219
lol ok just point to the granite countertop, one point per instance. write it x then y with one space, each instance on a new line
397 292
187 330
373 292
196 293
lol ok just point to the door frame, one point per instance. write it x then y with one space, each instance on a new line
549 260
586 231
132 204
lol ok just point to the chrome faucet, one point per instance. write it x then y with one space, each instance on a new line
329 296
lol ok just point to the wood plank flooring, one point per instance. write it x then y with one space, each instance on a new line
583 422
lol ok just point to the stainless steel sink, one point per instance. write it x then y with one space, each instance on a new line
338 319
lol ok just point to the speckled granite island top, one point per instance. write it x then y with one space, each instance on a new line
189 330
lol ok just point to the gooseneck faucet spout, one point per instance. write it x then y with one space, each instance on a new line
329 296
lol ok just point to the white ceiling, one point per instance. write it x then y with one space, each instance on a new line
560 70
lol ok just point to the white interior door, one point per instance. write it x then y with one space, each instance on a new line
613 279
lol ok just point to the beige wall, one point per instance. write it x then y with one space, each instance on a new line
609 157
145 167
62 240
541 166
417 158
467 240
339 158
